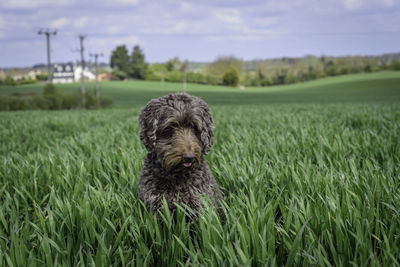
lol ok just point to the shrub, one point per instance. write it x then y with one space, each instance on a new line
41 102
26 81
3 103
90 100
105 102
396 65
55 101
173 76
119 74
9 81
231 78
41 77
70 101
50 89
17 103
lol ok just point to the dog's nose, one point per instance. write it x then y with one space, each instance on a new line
188 157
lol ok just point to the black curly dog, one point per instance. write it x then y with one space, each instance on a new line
177 131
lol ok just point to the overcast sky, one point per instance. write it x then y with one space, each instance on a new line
198 30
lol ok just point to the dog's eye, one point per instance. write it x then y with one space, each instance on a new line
167 132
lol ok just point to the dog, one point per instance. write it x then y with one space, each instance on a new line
177 131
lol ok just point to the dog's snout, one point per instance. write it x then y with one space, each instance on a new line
188 157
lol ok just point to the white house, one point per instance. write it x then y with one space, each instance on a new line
68 73
86 74
63 73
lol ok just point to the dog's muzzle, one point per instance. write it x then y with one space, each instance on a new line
188 159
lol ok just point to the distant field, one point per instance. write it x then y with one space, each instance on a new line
312 183
381 86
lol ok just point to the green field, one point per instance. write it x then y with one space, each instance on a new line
380 86
310 173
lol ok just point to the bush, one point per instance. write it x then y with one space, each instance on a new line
231 78
50 89
41 77
9 81
396 65
152 76
51 99
26 81
119 74
70 101
105 102
55 101
174 76
90 101
3 103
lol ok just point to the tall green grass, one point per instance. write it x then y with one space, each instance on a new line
304 184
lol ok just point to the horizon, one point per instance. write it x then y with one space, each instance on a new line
77 62
198 32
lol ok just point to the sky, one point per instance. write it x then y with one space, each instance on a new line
198 30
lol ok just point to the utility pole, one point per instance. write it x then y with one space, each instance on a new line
184 81
96 55
83 90
48 33
162 78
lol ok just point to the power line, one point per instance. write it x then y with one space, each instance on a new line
48 33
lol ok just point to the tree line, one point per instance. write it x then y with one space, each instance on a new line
231 71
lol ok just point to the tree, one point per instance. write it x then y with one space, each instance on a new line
9 81
138 66
231 77
171 64
225 64
120 58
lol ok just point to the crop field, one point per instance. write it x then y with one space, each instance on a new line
310 175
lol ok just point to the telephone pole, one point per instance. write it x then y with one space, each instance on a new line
83 89
48 33
162 78
96 55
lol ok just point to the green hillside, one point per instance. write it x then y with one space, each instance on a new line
381 86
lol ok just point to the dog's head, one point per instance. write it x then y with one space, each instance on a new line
178 128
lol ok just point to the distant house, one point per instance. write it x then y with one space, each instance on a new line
106 76
68 73
86 74
63 73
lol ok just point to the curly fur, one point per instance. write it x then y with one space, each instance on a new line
171 128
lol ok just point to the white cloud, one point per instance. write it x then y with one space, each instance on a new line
80 22
129 41
231 16
388 3
59 23
353 4
3 23
31 4
122 2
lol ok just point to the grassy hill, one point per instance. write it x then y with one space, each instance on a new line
381 86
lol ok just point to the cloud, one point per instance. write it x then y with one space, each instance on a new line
123 2
32 4
59 23
353 4
231 16
3 23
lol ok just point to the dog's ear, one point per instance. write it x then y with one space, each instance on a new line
148 120
207 131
